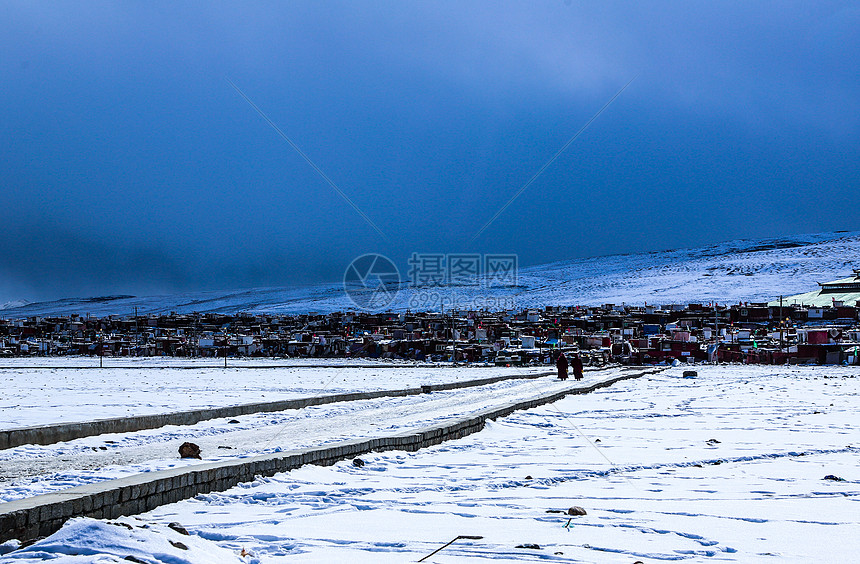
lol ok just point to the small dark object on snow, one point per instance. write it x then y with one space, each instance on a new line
712 442
717 462
226 447
118 524
358 463
698 465
233 421
178 528
576 510
529 478
103 447
638 562
131 558
596 440
189 450
833 478
690 373
558 553
528 545
179 545
554 511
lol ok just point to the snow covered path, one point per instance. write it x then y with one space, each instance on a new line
34 469
40 391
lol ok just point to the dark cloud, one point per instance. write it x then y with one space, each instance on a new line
129 164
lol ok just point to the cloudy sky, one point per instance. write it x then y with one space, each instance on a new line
129 164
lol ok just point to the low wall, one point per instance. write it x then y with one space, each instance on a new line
42 515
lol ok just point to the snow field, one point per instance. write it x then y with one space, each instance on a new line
141 386
668 494
725 467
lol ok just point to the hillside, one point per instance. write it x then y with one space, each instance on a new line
730 272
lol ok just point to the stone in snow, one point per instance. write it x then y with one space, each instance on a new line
189 450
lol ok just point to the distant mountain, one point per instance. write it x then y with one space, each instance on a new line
730 272
13 304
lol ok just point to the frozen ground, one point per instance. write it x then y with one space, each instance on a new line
40 391
726 467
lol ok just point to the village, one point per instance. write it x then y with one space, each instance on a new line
752 333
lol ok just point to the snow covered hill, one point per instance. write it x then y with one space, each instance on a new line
742 270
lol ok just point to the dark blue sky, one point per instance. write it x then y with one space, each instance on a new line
129 164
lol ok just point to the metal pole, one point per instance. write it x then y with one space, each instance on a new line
780 325
716 335
453 342
447 544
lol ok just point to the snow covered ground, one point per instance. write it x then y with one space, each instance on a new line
39 391
30 470
729 466
729 272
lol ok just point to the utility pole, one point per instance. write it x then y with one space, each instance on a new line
453 342
716 325
716 334
780 325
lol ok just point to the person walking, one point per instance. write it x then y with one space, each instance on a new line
576 363
561 364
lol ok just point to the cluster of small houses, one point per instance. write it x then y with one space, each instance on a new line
748 333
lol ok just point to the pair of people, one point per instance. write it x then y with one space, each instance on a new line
575 363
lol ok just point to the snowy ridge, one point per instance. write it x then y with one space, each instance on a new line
748 270
730 272
13 304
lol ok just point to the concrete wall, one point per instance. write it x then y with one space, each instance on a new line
43 515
